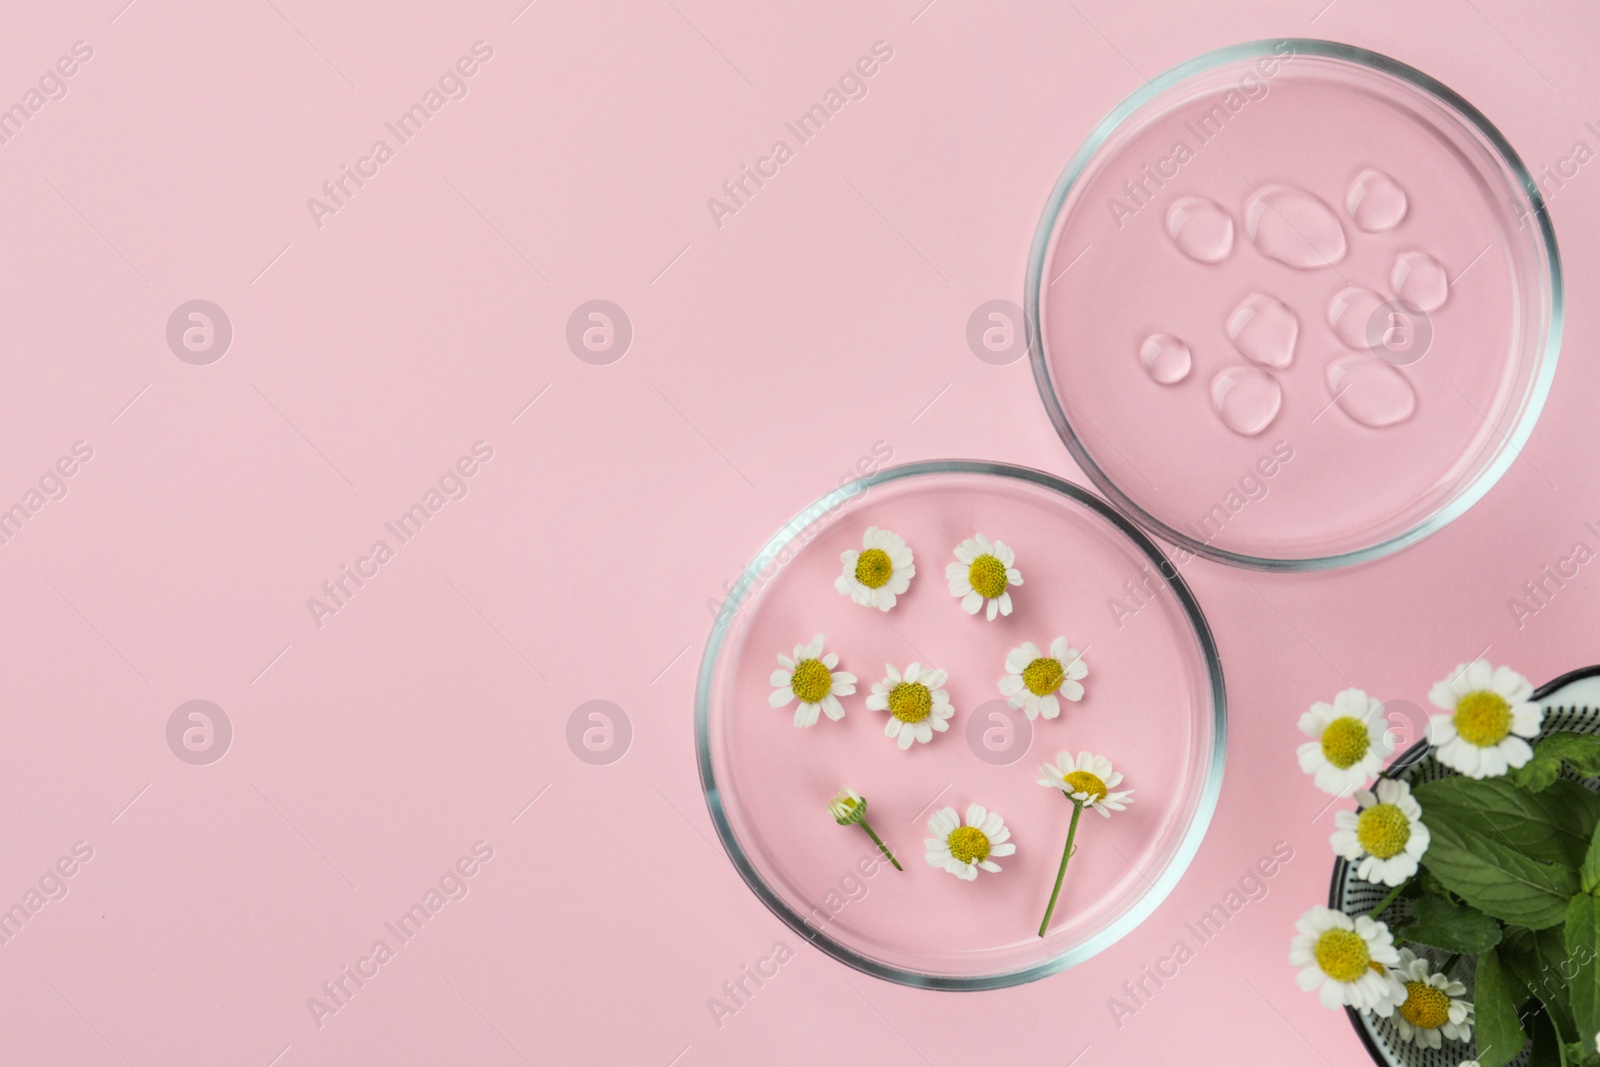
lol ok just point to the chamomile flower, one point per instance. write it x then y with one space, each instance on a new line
1088 780
1489 715
879 573
917 704
1347 961
1351 742
1388 836
1033 679
1432 1009
984 572
849 808
810 678
961 850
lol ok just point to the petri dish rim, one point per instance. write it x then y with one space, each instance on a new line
1205 803
1539 385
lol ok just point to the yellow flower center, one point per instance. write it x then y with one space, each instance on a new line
1345 742
1342 955
1383 831
1084 782
910 702
873 568
812 681
1043 676
1483 718
988 576
1426 1006
969 844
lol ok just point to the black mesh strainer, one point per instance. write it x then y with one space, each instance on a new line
1572 704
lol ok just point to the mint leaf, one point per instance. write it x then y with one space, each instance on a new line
1553 826
1498 878
1582 1054
1582 967
1499 1029
1539 960
1538 774
1589 873
1581 752
1450 928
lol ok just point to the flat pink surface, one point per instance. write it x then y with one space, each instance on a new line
770 355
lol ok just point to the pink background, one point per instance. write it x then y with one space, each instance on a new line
768 357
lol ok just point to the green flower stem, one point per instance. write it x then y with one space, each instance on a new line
881 846
1066 854
1394 895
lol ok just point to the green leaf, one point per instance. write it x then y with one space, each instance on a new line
1498 878
1451 928
1499 1029
1581 752
1581 968
1582 1054
1538 959
1589 873
1553 826
1537 774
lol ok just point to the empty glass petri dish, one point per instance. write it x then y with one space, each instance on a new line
1294 305
1153 704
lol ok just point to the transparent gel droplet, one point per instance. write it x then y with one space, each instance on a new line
1375 201
1294 227
1202 229
1350 314
1247 399
1420 279
1264 329
1166 358
1370 391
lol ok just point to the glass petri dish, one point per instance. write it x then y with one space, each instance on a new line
1154 705
1294 305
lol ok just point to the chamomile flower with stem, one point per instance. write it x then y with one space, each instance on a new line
849 808
965 849
1489 717
1350 741
1088 781
879 573
1347 962
1387 838
1434 1008
1034 679
809 677
916 701
983 574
